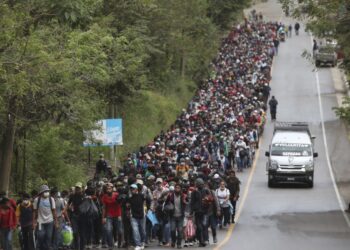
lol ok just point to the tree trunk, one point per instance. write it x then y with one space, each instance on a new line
183 65
7 153
24 171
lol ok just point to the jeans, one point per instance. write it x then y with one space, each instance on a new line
138 230
225 214
44 234
211 222
6 238
57 236
239 163
176 225
115 223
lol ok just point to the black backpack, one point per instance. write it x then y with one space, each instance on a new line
88 208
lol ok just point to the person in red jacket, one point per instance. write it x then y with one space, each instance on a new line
111 216
8 221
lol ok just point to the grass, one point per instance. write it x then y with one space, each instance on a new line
150 112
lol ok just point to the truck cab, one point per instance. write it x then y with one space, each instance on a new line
291 154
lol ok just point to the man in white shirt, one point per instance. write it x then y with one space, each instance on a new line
44 218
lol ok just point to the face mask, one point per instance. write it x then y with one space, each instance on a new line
46 194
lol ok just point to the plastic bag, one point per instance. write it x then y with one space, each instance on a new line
67 235
152 218
190 230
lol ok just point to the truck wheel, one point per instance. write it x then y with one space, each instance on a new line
270 182
311 184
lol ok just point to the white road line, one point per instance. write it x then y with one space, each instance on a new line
340 200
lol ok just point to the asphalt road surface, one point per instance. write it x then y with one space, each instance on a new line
294 216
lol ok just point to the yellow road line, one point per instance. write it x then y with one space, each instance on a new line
241 204
246 190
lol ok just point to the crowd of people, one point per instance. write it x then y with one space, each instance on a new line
178 186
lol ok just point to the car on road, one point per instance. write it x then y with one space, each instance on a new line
327 55
291 154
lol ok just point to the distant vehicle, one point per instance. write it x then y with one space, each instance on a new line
326 54
291 154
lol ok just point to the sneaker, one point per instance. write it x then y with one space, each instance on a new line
215 240
172 244
137 248
179 247
186 244
190 244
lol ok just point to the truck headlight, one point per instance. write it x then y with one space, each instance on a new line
273 165
309 167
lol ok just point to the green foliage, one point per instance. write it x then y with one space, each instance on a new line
224 12
66 64
48 157
344 111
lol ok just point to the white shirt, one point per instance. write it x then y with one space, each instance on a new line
44 210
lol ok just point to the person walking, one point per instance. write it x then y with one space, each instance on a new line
290 29
111 216
314 48
223 195
101 167
296 28
24 213
136 203
198 210
176 200
44 219
73 204
276 43
233 185
7 222
273 107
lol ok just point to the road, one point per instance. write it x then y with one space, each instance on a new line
295 217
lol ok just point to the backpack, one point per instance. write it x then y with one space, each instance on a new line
243 153
88 208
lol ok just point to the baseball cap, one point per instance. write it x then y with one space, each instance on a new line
79 185
159 180
133 186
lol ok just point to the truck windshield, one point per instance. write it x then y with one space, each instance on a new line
291 149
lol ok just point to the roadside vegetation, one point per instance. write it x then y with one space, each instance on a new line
66 64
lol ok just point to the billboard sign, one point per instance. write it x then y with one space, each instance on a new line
110 133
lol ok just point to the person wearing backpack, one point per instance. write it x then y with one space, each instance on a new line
61 217
44 218
213 212
177 200
223 195
199 210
